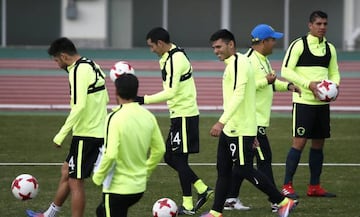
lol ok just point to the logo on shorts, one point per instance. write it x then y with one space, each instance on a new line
300 131
262 131
175 148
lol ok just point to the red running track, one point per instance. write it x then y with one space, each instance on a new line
53 90
17 90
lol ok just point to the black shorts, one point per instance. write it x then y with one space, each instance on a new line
234 151
82 156
183 135
311 121
115 205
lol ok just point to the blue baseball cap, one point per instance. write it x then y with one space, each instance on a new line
264 31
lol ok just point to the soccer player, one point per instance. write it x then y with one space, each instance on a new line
179 92
131 133
263 39
308 60
88 100
236 128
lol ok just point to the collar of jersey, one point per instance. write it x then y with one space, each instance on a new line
166 54
314 40
230 59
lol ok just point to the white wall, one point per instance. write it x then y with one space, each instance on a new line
351 31
89 29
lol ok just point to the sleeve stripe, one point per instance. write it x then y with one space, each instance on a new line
289 54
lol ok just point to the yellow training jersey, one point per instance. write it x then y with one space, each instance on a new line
179 89
239 89
307 60
134 147
264 91
88 101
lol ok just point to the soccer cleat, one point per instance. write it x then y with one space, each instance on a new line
288 191
208 214
318 191
274 207
284 210
31 213
183 211
203 198
234 203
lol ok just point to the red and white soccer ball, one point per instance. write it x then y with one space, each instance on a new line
165 207
25 187
328 90
120 68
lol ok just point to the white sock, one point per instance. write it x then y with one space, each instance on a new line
52 210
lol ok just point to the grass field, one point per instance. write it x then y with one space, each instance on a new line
27 138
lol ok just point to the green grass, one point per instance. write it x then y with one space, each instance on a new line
27 138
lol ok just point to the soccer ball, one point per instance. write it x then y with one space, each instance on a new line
120 68
165 207
25 187
328 90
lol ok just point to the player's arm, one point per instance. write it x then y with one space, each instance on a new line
109 156
283 86
261 81
172 83
237 95
289 64
79 88
157 149
334 74
280 85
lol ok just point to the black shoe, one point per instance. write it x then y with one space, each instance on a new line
203 198
183 211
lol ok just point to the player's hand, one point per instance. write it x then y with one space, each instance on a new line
293 88
271 77
338 92
256 143
139 99
314 89
216 129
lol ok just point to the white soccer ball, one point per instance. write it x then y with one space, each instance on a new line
328 90
120 68
165 207
25 187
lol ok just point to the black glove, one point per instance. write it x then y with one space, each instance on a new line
139 99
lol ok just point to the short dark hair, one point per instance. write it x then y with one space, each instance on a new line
223 34
317 14
127 86
62 45
158 34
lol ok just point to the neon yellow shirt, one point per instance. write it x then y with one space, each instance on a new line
303 75
264 91
135 146
179 95
88 111
239 114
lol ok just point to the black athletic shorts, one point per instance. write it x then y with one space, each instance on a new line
82 156
117 205
311 121
183 135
